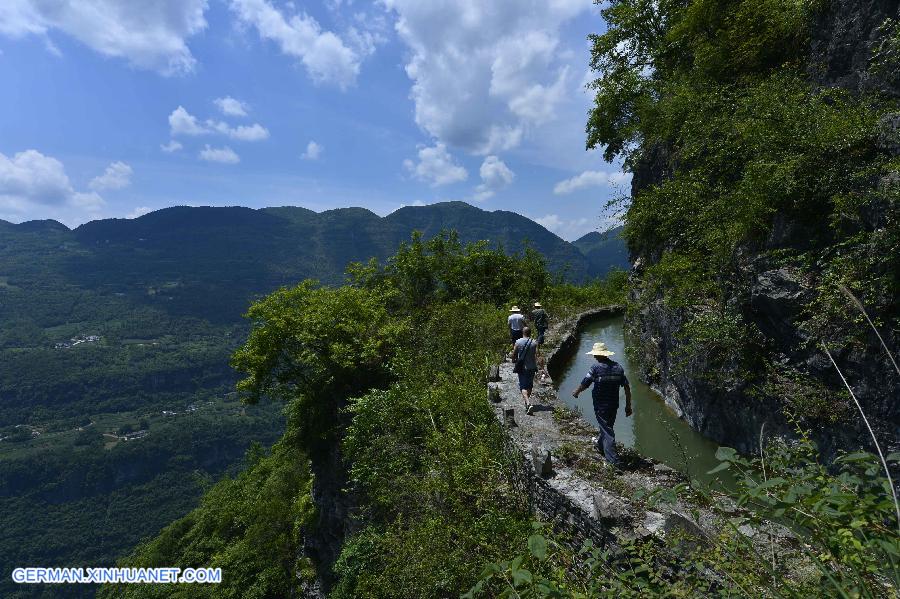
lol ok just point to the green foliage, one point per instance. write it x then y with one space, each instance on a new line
844 521
80 498
601 292
441 270
249 526
714 97
846 515
427 453
166 292
315 346
391 367
727 345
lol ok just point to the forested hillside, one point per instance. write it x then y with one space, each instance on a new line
116 394
763 139
603 251
393 478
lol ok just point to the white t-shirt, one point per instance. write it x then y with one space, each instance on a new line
516 321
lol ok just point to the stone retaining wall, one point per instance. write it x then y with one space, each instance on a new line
581 496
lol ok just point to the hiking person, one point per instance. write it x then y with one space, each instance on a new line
540 319
515 322
525 357
606 376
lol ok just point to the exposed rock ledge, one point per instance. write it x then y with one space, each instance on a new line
570 485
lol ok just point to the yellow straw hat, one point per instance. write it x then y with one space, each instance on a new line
599 349
514 309
537 305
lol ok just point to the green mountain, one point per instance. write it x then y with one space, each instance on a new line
603 251
120 326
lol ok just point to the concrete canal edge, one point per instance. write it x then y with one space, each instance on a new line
568 484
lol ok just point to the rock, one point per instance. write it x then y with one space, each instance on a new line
888 133
846 36
663 469
494 373
778 293
671 397
509 417
679 523
607 507
494 394
747 530
542 461
653 523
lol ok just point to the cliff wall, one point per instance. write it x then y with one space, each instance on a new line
776 299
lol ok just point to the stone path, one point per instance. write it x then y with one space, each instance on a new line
571 485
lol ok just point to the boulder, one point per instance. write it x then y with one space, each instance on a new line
779 294
608 507
542 460
663 469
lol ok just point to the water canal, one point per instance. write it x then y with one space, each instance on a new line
653 430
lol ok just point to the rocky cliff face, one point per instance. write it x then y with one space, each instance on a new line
335 506
775 298
845 39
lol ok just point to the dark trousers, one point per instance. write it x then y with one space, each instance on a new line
540 337
606 419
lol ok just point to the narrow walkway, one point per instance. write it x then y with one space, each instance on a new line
571 485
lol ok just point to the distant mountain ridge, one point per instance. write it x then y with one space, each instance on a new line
603 251
291 243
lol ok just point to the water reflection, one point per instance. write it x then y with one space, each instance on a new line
654 430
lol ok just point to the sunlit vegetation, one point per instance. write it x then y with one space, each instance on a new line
390 368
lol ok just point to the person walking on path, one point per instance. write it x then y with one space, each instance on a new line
541 321
515 322
606 376
525 350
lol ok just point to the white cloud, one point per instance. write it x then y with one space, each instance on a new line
313 151
181 122
138 211
224 155
33 185
495 175
549 221
485 74
436 167
591 179
567 229
172 146
117 176
149 35
231 107
254 132
325 56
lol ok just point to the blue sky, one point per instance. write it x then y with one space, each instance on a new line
112 108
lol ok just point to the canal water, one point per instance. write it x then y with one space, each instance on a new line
653 430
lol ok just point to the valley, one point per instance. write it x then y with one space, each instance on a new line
116 395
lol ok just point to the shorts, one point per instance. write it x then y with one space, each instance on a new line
515 335
526 379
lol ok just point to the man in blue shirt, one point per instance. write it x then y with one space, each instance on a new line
606 376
